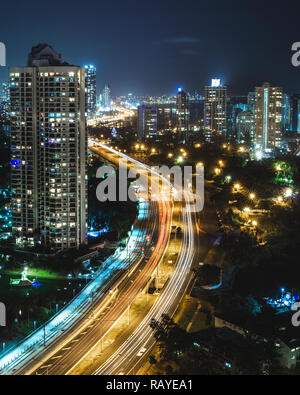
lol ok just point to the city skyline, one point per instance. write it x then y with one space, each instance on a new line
149 191
177 47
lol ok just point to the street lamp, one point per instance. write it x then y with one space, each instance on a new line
236 187
252 196
288 192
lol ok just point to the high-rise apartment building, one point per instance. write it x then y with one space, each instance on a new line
268 117
215 109
5 91
5 100
49 151
251 101
245 127
166 117
91 89
286 112
106 97
147 121
295 113
235 105
182 112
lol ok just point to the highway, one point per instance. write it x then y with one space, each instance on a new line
105 317
89 326
129 356
74 315
32 350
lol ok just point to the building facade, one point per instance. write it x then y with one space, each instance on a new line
268 117
245 127
295 113
147 121
251 101
166 117
235 105
49 151
182 113
91 89
286 112
215 109
5 101
106 97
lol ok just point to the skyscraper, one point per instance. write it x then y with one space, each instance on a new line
268 117
245 127
49 150
215 109
91 88
235 105
166 117
5 91
251 101
5 99
147 121
182 112
295 113
286 112
106 97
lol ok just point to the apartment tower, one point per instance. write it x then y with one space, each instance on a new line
49 151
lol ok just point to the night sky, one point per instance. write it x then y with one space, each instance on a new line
154 46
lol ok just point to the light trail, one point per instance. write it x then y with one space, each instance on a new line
86 342
168 301
31 346
143 334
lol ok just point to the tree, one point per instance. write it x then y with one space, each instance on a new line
172 340
152 360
